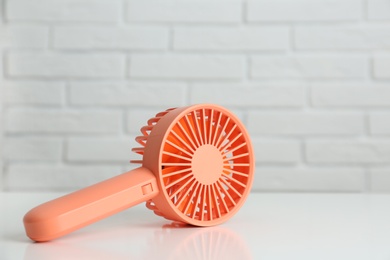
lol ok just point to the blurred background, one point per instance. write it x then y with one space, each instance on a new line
309 78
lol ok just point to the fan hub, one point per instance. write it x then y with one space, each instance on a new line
207 164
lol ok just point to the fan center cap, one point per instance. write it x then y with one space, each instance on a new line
207 164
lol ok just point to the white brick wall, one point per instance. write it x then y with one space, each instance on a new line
125 93
56 121
311 66
34 92
348 152
304 10
378 10
380 180
108 38
189 11
63 10
309 78
356 96
32 149
50 176
250 95
186 66
98 149
306 124
342 37
24 36
381 67
53 65
380 123
270 151
231 38
310 179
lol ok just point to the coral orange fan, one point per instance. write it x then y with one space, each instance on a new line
197 168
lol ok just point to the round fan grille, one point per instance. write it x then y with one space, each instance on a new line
206 166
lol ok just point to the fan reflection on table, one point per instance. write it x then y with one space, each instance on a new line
200 243
173 241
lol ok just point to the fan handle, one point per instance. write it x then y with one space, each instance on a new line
63 215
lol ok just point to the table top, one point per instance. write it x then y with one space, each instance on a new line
269 226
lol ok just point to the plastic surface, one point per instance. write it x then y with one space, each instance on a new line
75 210
197 168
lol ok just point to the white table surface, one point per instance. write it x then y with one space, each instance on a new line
269 226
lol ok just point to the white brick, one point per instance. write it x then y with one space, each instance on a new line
380 179
375 96
277 151
378 9
304 10
32 149
382 67
64 10
250 95
298 123
34 92
2 172
342 37
2 5
309 66
2 128
380 123
62 121
309 179
56 177
194 11
66 65
356 83
187 66
23 36
231 38
128 93
99 149
348 151
2 66
114 38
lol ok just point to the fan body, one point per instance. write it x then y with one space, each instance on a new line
197 168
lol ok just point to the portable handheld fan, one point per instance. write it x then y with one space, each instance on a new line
197 168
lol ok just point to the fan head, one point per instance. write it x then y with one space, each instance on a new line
203 161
